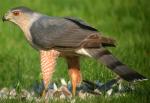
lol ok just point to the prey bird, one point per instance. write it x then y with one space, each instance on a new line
70 38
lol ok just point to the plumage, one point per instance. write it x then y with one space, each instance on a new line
56 32
81 23
23 9
71 38
106 57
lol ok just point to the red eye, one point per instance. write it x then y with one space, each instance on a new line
16 13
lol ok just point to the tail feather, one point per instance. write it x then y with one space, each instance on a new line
115 65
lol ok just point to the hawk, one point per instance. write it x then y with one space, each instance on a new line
70 38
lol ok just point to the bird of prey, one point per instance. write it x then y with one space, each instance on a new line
70 38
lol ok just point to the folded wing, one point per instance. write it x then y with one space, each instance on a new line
54 32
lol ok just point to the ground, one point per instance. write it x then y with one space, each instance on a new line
126 21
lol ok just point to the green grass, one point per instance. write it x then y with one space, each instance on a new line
127 21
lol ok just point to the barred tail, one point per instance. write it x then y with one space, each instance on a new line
114 64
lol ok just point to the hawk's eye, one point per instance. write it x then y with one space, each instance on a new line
16 13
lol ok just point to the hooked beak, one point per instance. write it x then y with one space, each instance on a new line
4 18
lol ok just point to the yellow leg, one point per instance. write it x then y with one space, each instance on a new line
48 62
74 72
43 93
74 81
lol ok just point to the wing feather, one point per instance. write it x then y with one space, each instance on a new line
51 32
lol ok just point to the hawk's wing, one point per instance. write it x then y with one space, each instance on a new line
81 23
53 32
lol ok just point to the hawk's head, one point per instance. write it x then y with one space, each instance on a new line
18 15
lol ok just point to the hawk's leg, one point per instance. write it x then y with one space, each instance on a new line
74 72
48 62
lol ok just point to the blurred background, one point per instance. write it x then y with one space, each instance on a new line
127 21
